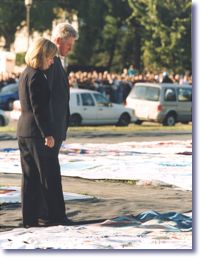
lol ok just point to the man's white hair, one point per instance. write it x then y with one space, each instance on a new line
64 30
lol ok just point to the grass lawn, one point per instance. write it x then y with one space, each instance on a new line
11 128
135 128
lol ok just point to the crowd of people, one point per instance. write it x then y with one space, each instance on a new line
8 78
114 86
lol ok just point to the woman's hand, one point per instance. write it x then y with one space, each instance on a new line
49 141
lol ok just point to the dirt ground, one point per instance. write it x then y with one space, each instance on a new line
110 199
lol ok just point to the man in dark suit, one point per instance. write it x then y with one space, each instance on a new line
64 36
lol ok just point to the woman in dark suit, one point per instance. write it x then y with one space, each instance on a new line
41 196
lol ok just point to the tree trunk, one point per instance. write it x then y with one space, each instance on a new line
137 48
112 51
8 42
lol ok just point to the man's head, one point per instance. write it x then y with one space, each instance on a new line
64 36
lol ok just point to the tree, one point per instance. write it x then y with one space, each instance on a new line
11 16
43 12
102 32
167 39
137 23
149 34
115 34
90 18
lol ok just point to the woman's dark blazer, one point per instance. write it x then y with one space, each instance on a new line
34 94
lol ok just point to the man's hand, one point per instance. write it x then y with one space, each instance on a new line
49 141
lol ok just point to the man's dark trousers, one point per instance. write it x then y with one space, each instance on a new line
42 195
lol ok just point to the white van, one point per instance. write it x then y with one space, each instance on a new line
164 103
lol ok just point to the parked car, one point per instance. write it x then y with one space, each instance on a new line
89 107
165 103
4 119
8 95
16 110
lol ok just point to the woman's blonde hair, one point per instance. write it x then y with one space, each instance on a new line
39 51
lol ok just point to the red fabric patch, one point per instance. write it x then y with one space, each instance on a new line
5 191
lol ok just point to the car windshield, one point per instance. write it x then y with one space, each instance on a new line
100 99
185 94
9 89
145 92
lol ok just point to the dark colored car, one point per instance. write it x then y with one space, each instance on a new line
4 118
8 94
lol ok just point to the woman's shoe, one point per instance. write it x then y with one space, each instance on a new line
30 225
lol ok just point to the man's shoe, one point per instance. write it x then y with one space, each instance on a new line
66 221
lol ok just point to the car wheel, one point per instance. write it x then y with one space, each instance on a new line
185 122
2 121
124 120
170 120
138 122
75 120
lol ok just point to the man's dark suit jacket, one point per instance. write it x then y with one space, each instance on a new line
34 94
59 102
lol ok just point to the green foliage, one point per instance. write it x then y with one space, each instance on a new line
20 58
110 49
167 42
11 16
43 12
91 22
150 34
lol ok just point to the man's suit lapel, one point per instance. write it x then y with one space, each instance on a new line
63 72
